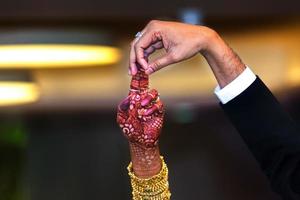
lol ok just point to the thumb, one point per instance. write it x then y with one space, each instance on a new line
159 63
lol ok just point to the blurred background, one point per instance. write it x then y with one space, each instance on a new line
63 70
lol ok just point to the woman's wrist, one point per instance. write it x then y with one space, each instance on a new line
146 161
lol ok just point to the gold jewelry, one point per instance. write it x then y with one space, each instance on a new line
153 188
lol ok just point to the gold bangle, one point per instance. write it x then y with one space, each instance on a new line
153 188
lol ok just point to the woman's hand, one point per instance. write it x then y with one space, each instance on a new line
140 117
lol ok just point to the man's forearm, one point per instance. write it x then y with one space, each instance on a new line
224 62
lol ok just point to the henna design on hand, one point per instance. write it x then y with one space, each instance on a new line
140 114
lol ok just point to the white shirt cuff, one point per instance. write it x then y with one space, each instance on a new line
235 87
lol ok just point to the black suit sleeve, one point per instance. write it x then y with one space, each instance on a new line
271 136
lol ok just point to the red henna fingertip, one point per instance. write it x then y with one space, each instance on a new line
150 111
152 96
124 105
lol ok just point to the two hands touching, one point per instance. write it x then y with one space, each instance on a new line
140 115
181 42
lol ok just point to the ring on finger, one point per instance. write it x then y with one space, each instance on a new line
138 34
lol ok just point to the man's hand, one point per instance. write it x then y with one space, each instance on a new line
183 41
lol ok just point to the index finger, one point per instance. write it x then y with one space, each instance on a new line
132 56
146 40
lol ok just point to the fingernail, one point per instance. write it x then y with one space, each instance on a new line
134 71
149 71
129 72
148 112
144 102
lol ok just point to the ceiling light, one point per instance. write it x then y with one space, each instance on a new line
16 88
52 48
56 55
12 93
191 16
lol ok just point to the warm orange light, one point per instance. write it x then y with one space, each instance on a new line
13 93
56 55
